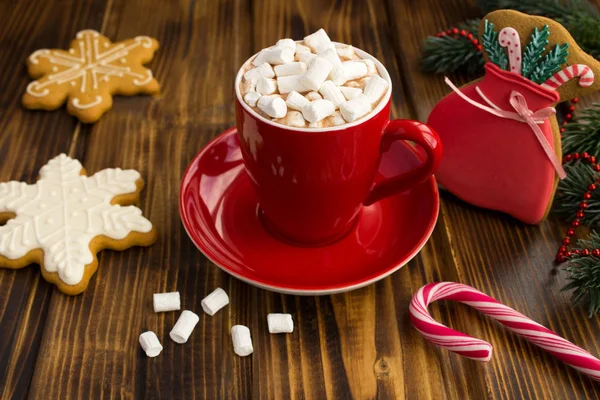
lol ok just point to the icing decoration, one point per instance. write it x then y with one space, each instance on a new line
509 38
64 211
583 72
480 350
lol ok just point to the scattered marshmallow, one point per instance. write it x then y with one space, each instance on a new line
291 83
317 110
216 300
350 92
335 119
293 68
300 48
274 55
266 86
375 88
286 43
273 106
317 73
337 73
356 108
242 341
346 52
150 343
296 101
280 323
293 118
184 327
332 92
251 98
306 58
264 70
312 96
166 301
371 68
355 69
318 41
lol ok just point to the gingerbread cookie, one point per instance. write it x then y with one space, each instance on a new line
64 219
89 73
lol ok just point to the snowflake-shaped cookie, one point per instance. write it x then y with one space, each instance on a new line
89 73
61 221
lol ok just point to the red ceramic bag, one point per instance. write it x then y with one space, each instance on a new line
493 162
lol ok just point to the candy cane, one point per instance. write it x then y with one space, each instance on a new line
509 38
479 350
585 74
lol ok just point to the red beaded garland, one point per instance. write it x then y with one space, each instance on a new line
464 33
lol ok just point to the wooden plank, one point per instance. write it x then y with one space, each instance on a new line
496 254
27 141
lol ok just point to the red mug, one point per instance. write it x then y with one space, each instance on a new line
311 183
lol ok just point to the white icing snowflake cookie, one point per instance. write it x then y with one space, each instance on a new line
64 219
89 73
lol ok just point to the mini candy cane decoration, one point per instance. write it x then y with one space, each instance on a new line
479 350
585 74
509 38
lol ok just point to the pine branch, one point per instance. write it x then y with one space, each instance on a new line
584 275
550 64
583 133
534 50
585 29
495 52
570 190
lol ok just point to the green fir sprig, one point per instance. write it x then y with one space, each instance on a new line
570 191
534 50
495 52
584 275
550 64
583 133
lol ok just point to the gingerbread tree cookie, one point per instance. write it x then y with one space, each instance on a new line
64 219
89 73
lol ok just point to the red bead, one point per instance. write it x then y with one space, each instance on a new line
576 156
575 251
579 215
568 254
596 253
455 31
585 155
463 33
439 34
564 123
575 223
569 116
571 108
560 258
592 159
592 187
569 157
479 47
566 241
470 36
583 205
562 249
585 252
596 167
575 100
570 232
562 130
475 41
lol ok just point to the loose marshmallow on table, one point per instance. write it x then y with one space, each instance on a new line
317 73
375 88
337 73
296 101
264 70
293 68
293 118
251 98
318 41
216 300
273 106
289 43
150 343
312 96
290 83
346 52
266 86
332 92
355 108
350 92
242 341
184 327
355 69
274 55
166 301
280 323
317 110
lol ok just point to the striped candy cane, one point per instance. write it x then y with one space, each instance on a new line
585 74
476 349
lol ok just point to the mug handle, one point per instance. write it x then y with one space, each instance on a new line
425 137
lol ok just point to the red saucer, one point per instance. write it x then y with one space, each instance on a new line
219 211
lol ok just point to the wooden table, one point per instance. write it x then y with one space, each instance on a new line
358 344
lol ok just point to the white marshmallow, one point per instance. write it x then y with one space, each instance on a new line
317 110
184 327
337 73
249 85
371 68
150 343
350 92
332 92
286 43
264 70
317 73
242 341
290 83
293 118
251 98
355 108
353 84
266 86
318 124
273 106
355 69
293 68
306 58
375 88
280 323
300 48
345 52
216 300
274 56
336 119
166 301
312 96
318 41
296 101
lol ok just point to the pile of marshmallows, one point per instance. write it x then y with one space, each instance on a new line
240 334
316 69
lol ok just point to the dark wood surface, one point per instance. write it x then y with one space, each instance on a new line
353 345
